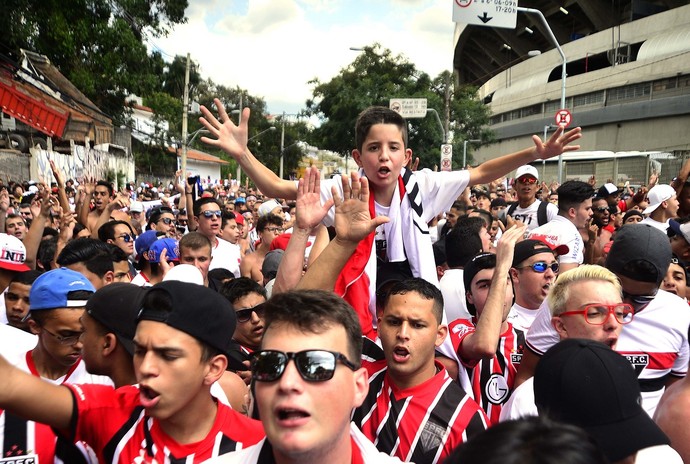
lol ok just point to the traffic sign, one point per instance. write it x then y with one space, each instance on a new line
409 107
563 118
446 157
492 13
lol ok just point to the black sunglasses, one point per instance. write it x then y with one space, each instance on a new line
210 214
312 365
243 315
166 221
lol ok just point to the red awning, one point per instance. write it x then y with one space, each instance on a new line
31 112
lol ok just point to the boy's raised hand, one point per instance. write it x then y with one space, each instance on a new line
558 143
309 211
352 219
229 137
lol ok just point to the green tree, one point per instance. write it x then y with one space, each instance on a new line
99 45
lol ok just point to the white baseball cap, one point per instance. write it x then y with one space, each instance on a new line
657 195
527 170
12 253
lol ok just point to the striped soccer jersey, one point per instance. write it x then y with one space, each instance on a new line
492 378
421 424
115 425
21 437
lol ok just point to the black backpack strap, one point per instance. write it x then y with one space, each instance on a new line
512 208
541 213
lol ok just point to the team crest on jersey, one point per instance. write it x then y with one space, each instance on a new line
431 436
515 358
639 361
462 329
496 389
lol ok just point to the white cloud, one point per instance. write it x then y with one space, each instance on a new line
273 48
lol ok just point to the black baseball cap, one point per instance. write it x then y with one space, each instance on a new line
530 247
586 383
196 311
643 244
116 307
477 263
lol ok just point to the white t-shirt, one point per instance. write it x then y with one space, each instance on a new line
560 231
226 255
655 343
521 403
521 317
528 215
453 290
14 343
662 226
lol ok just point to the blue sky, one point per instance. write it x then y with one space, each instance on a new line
273 48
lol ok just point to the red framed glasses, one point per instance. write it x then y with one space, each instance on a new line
598 313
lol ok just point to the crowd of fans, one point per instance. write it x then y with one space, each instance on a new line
389 315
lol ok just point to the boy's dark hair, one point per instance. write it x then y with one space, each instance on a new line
316 311
220 274
268 219
240 287
572 193
25 277
194 241
227 216
46 253
93 253
203 201
105 183
377 115
116 253
486 216
107 231
423 288
463 241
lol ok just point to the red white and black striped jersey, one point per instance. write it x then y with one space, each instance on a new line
115 425
21 437
492 379
421 424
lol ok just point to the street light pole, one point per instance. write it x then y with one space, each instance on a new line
438 118
563 70
282 145
464 150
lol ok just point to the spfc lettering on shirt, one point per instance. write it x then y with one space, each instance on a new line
516 358
639 361
25 459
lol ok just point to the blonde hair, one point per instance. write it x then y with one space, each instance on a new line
559 294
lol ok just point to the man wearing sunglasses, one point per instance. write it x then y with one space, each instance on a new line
585 302
57 299
207 216
528 209
307 380
247 299
656 342
533 271
162 219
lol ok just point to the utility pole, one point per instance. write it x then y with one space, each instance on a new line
282 143
239 122
185 105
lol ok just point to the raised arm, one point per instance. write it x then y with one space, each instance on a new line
41 211
558 143
482 343
232 139
60 181
309 213
352 224
30 397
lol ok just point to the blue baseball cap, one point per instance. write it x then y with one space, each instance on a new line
144 241
52 289
170 244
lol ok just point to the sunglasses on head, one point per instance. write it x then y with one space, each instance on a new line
210 214
312 365
542 266
243 315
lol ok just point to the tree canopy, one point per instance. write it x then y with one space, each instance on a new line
99 45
